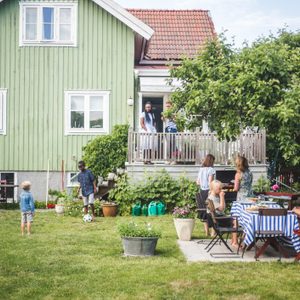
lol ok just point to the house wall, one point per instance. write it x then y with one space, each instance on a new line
36 78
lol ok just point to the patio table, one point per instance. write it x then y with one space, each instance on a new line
250 222
238 207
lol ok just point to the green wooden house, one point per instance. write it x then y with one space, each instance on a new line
66 75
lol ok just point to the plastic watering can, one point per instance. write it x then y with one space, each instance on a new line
161 209
136 210
152 209
145 210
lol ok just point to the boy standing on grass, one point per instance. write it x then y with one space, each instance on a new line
26 207
87 186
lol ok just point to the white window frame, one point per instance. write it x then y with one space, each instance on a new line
86 130
70 184
56 42
3 98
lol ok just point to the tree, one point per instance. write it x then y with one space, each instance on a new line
256 86
105 154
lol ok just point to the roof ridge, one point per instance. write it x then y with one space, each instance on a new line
167 10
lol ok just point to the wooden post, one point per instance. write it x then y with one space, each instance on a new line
197 146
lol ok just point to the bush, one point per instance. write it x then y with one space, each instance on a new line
133 229
9 206
160 187
75 208
105 154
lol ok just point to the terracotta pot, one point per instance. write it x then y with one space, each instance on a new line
184 228
109 209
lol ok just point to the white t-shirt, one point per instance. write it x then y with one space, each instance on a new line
149 125
203 177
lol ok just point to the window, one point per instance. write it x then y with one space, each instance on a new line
72 179
48 24
2 111
8 193
87 112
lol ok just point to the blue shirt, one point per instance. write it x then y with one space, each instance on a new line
26 202
86 180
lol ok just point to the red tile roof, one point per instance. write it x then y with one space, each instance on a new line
177 32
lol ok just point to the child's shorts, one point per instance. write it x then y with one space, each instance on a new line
26 217
90 199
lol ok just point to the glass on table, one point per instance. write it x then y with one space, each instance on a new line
285 205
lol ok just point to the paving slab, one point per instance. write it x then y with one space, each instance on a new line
194 251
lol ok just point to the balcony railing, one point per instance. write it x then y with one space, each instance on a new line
192 147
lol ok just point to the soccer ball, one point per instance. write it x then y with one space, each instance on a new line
87 218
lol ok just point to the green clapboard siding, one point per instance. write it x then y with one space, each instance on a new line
36 78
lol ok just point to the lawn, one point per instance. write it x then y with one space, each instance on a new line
65 258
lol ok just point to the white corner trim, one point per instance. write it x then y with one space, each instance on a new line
3 99
126 17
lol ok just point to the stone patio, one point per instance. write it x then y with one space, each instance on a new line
194 252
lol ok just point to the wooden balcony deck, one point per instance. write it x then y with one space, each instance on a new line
192 147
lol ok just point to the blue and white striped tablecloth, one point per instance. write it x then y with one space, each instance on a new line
238 207
250 223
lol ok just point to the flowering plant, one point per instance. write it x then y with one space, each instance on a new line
275 187
184 212
133 229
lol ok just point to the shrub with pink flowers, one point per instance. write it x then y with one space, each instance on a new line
275 187
184 212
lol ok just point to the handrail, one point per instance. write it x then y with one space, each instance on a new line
192 147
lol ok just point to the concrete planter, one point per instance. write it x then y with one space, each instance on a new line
59 209
184 228
139 246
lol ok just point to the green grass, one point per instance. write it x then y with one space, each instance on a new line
67 259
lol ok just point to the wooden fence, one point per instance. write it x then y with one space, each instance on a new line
192 147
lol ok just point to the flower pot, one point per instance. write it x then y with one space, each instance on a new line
109 209
59 209
139 246
184 228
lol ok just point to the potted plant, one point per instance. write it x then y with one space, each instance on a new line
60 198
109 209
184 221
139 239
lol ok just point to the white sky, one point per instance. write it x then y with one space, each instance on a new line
244 19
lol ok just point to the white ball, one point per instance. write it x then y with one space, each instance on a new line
87 218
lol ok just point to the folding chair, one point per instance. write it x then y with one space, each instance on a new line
297 257
201 207
269 236
221 225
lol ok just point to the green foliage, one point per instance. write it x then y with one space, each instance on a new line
133 229
159 187
256 87
74 208
262 185
9 206
59 196
105 154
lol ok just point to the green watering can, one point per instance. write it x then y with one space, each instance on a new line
152 209
161 209
136 210
145 210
